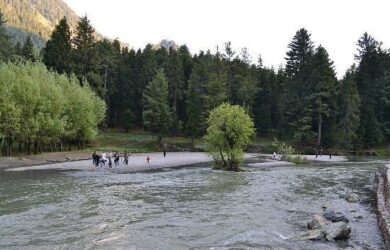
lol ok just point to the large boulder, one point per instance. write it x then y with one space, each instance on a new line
322 228
334 216
336 231
318 221
352 197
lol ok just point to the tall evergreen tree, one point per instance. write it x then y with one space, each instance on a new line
57 53
175 75
300 51
195 101
86 63
323 96
297 95
368 75
156 115
349 113
5 43
28 50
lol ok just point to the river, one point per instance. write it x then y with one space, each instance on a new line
185 208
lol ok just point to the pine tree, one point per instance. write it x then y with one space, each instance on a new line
156 115
300 52
5 43
28 50
323 96
297 95
368 75
57 53
86 62
349 113
195 101
175 75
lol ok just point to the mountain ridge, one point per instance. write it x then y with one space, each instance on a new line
29 17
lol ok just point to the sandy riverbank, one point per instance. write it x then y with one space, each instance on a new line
137 162
81 160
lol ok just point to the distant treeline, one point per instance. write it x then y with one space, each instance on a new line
302 101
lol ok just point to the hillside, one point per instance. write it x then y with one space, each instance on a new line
36 16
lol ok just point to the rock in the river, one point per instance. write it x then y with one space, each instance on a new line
315 234
352 197
318 221
337 231
332 216
322 228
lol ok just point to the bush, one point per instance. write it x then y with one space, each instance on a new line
229 130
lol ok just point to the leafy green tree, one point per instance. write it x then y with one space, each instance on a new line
57 53
229 130
41 108
9 111
156 115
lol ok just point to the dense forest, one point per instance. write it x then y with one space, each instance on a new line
303 101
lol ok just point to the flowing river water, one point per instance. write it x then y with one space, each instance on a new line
185 208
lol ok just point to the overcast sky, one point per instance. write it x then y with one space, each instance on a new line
263 26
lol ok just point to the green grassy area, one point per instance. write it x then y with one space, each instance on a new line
137 142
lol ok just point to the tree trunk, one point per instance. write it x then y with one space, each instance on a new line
319 131
35 147
29 146
9 146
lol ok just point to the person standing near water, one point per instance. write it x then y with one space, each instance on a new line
165 152
109 161
103 160
94 158
125 159
148 159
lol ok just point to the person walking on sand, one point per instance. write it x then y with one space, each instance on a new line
94 159
148 159
116 160
109 161
274 155
125 159
103 160
165 152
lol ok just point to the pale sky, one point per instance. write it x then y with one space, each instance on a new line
263 26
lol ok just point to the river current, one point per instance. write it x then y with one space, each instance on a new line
185 208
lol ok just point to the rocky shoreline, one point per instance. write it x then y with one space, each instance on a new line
382 198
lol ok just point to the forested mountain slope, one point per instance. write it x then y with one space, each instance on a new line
37 16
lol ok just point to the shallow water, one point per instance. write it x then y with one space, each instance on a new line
187 208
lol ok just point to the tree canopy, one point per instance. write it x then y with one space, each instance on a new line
229 130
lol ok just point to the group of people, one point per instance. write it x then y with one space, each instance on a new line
101 160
